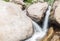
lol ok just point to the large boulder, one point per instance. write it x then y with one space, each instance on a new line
57 14
36 11
14 26
56 8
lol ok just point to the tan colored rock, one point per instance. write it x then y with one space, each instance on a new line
56 3
57 14
56 9
56 36
14 26
36 11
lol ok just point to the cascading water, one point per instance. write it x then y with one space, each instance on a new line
45 23
38 31
37 28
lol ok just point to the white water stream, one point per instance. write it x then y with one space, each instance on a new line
39 32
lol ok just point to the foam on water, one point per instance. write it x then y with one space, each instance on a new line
40 32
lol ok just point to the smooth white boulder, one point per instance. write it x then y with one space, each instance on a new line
14 25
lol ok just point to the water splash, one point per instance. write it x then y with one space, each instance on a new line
40 32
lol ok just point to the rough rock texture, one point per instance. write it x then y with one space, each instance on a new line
36 11
18 1
14 25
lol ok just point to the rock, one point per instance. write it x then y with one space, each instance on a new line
56 9
56 3
18 1
57 14
36 11
56 36
14 26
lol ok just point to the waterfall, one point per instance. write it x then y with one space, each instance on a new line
45 23
37 28
38 31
